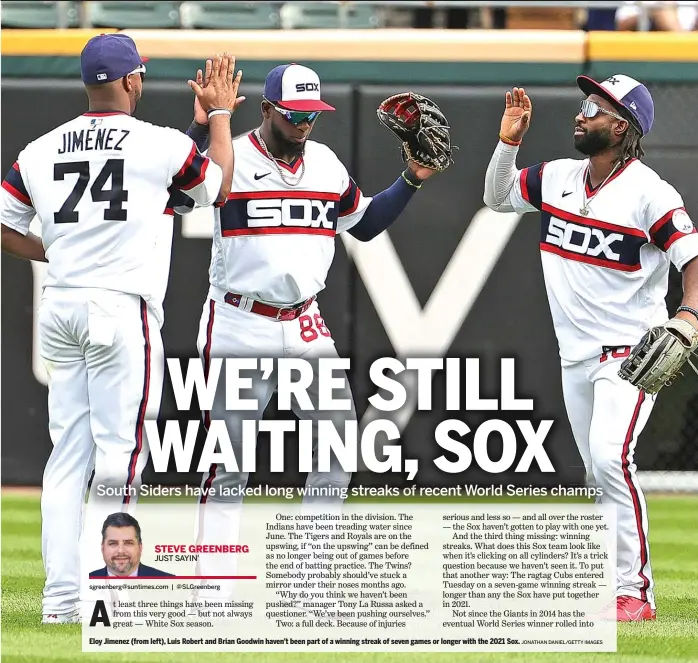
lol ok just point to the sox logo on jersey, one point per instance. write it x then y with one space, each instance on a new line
591 241
287 211
470 267
567 235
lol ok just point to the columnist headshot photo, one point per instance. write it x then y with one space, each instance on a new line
122 548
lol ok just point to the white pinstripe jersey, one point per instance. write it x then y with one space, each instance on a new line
274 242
99 185
606 273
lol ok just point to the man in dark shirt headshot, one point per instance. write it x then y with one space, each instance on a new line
122 548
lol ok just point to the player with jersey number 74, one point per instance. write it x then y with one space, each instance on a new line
99 185
611 227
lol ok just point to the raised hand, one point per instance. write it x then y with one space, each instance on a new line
217 88
202 79
517 115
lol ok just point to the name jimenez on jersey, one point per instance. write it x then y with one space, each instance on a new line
101 188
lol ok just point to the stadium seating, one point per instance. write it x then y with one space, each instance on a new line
133 14
223 15
25 14
305 15
230 15
541 18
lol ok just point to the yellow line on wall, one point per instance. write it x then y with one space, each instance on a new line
347 45
47 42
643 46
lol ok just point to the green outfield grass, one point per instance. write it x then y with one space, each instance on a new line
674 637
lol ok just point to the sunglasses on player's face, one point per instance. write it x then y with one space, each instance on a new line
296 117
591 109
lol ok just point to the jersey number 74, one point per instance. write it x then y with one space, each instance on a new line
115 196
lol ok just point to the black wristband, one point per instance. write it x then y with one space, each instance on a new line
688 309
411 178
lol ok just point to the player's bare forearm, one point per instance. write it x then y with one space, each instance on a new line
690 291
221 152
28 247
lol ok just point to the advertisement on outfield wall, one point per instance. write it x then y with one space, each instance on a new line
308 431
442 280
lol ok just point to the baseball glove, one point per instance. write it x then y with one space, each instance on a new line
421 127
657 359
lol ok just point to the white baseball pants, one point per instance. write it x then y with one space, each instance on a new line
607 415
105 361
228 331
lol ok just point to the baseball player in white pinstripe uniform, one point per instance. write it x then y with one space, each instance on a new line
611 227
100 185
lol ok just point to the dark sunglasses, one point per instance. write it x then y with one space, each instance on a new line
591 109
296 117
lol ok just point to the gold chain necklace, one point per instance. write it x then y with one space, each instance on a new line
584 210
278 168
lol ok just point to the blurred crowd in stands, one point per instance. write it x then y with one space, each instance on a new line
650 15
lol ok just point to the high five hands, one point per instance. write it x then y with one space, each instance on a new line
216 87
